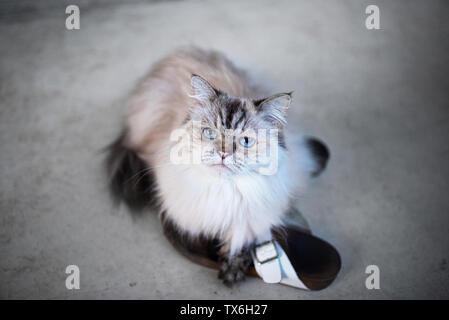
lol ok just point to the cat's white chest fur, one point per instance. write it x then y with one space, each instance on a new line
236 209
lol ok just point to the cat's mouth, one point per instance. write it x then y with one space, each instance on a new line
221 167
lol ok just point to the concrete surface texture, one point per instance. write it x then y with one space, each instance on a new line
379 98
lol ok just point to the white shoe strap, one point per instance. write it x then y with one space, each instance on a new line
273 265
266 262
289 276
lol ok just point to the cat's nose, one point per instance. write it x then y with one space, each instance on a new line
223 154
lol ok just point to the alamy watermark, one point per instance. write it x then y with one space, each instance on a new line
373 280
256 149
73 279
72 22
373 20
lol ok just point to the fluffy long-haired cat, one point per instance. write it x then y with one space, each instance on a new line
209 150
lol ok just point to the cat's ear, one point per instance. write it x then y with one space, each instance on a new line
202 90
274 108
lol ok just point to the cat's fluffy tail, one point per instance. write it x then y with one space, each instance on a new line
320 154
131 180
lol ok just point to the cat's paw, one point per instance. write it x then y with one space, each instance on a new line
232 269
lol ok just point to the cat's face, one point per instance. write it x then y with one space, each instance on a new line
233 135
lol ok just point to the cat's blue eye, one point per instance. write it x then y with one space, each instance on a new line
247 142
209 133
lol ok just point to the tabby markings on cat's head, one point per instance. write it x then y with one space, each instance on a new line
231 135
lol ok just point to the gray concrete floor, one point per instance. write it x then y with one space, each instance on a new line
378 98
